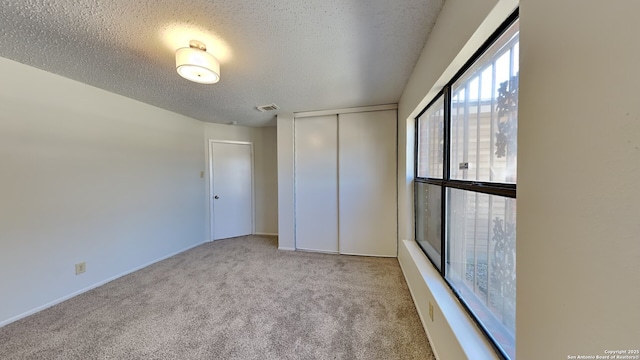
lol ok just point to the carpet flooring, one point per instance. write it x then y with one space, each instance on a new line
238 298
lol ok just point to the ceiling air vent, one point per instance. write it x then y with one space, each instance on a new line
270 107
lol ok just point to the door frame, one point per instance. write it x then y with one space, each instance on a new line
211 194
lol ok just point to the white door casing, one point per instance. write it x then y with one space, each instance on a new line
231 174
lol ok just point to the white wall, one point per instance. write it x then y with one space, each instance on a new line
227 132
578 168
87 175
286 206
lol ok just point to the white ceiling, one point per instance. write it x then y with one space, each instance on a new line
303 55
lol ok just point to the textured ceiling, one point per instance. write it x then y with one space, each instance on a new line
302 55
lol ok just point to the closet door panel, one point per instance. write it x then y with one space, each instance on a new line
316 183
367 183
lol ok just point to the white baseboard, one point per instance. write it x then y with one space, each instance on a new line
369 255
286 248
265 234
90 287
318 251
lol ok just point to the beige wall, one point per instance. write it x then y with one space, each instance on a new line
266 180
578 168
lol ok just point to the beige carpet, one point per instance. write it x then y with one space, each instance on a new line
233 299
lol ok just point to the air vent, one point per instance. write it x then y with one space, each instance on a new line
265 108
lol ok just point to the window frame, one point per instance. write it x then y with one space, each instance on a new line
508 190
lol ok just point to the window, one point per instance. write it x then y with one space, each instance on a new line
465 189
431 142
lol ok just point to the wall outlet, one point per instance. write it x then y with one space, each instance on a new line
201 174
430 311
81 268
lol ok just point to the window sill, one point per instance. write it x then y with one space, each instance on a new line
452 333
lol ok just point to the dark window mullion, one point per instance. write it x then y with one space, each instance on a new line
446 177
430 181
416 154
416 160
485 188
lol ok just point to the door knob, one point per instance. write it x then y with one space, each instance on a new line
216 197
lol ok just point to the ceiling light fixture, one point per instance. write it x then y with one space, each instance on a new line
196 64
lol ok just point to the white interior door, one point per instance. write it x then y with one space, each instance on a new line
231 189
367 183
316 183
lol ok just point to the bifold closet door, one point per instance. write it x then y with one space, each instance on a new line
367 183
316 183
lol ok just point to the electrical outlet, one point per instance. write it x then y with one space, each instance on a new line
81 268
201 174
430 311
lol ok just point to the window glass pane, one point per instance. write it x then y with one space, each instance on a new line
431 141
481 244
484 119
516 54
428 220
